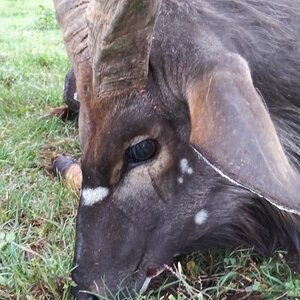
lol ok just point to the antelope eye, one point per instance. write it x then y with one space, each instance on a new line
141 151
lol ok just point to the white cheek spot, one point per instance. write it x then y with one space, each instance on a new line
75 97
180 180
92 196
201 217
190 171
184 164
185 168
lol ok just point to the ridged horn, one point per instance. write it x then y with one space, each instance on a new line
71 18
120 35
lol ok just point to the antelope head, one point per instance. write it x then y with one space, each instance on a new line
162 169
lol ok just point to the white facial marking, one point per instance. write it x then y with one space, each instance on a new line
190 171
92 196
184 164
201 217
185 168
180 180
75 97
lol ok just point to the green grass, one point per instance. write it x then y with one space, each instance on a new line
37 214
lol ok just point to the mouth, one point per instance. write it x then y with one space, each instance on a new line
152 272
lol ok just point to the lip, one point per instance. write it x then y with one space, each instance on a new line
152 272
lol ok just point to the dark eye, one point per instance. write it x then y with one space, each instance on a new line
141 152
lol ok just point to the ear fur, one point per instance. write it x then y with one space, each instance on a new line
232 130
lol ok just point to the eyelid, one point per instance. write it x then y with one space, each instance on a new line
140 153
137 140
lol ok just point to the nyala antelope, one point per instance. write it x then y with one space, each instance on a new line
189 123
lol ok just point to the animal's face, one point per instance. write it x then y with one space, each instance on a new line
148 193
155 169
138 206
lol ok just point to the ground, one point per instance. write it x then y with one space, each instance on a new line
37 214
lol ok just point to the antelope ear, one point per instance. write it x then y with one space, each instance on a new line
232 130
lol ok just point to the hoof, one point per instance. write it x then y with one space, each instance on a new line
69 171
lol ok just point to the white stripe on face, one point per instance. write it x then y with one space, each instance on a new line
201 217
92 196
185 168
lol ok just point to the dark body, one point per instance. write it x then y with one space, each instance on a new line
191 42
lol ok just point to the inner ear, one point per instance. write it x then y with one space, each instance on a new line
232 129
